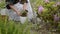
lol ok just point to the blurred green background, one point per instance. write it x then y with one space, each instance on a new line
11 27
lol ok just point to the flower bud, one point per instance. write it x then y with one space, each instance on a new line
40 9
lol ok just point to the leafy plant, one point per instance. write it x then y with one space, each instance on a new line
24 13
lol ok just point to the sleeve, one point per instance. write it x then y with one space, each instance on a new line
9 2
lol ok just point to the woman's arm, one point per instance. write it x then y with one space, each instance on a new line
14 8
25 6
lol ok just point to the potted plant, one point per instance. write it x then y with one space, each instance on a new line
23 17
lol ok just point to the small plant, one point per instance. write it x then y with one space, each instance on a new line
24 13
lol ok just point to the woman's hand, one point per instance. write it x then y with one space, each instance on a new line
18 13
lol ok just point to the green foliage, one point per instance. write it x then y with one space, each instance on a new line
2 4
47 15
11 27
49 10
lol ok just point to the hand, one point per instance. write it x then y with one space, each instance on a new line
18 13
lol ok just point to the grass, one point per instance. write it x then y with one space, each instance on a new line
11 27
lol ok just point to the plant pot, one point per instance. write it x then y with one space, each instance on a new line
23 19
